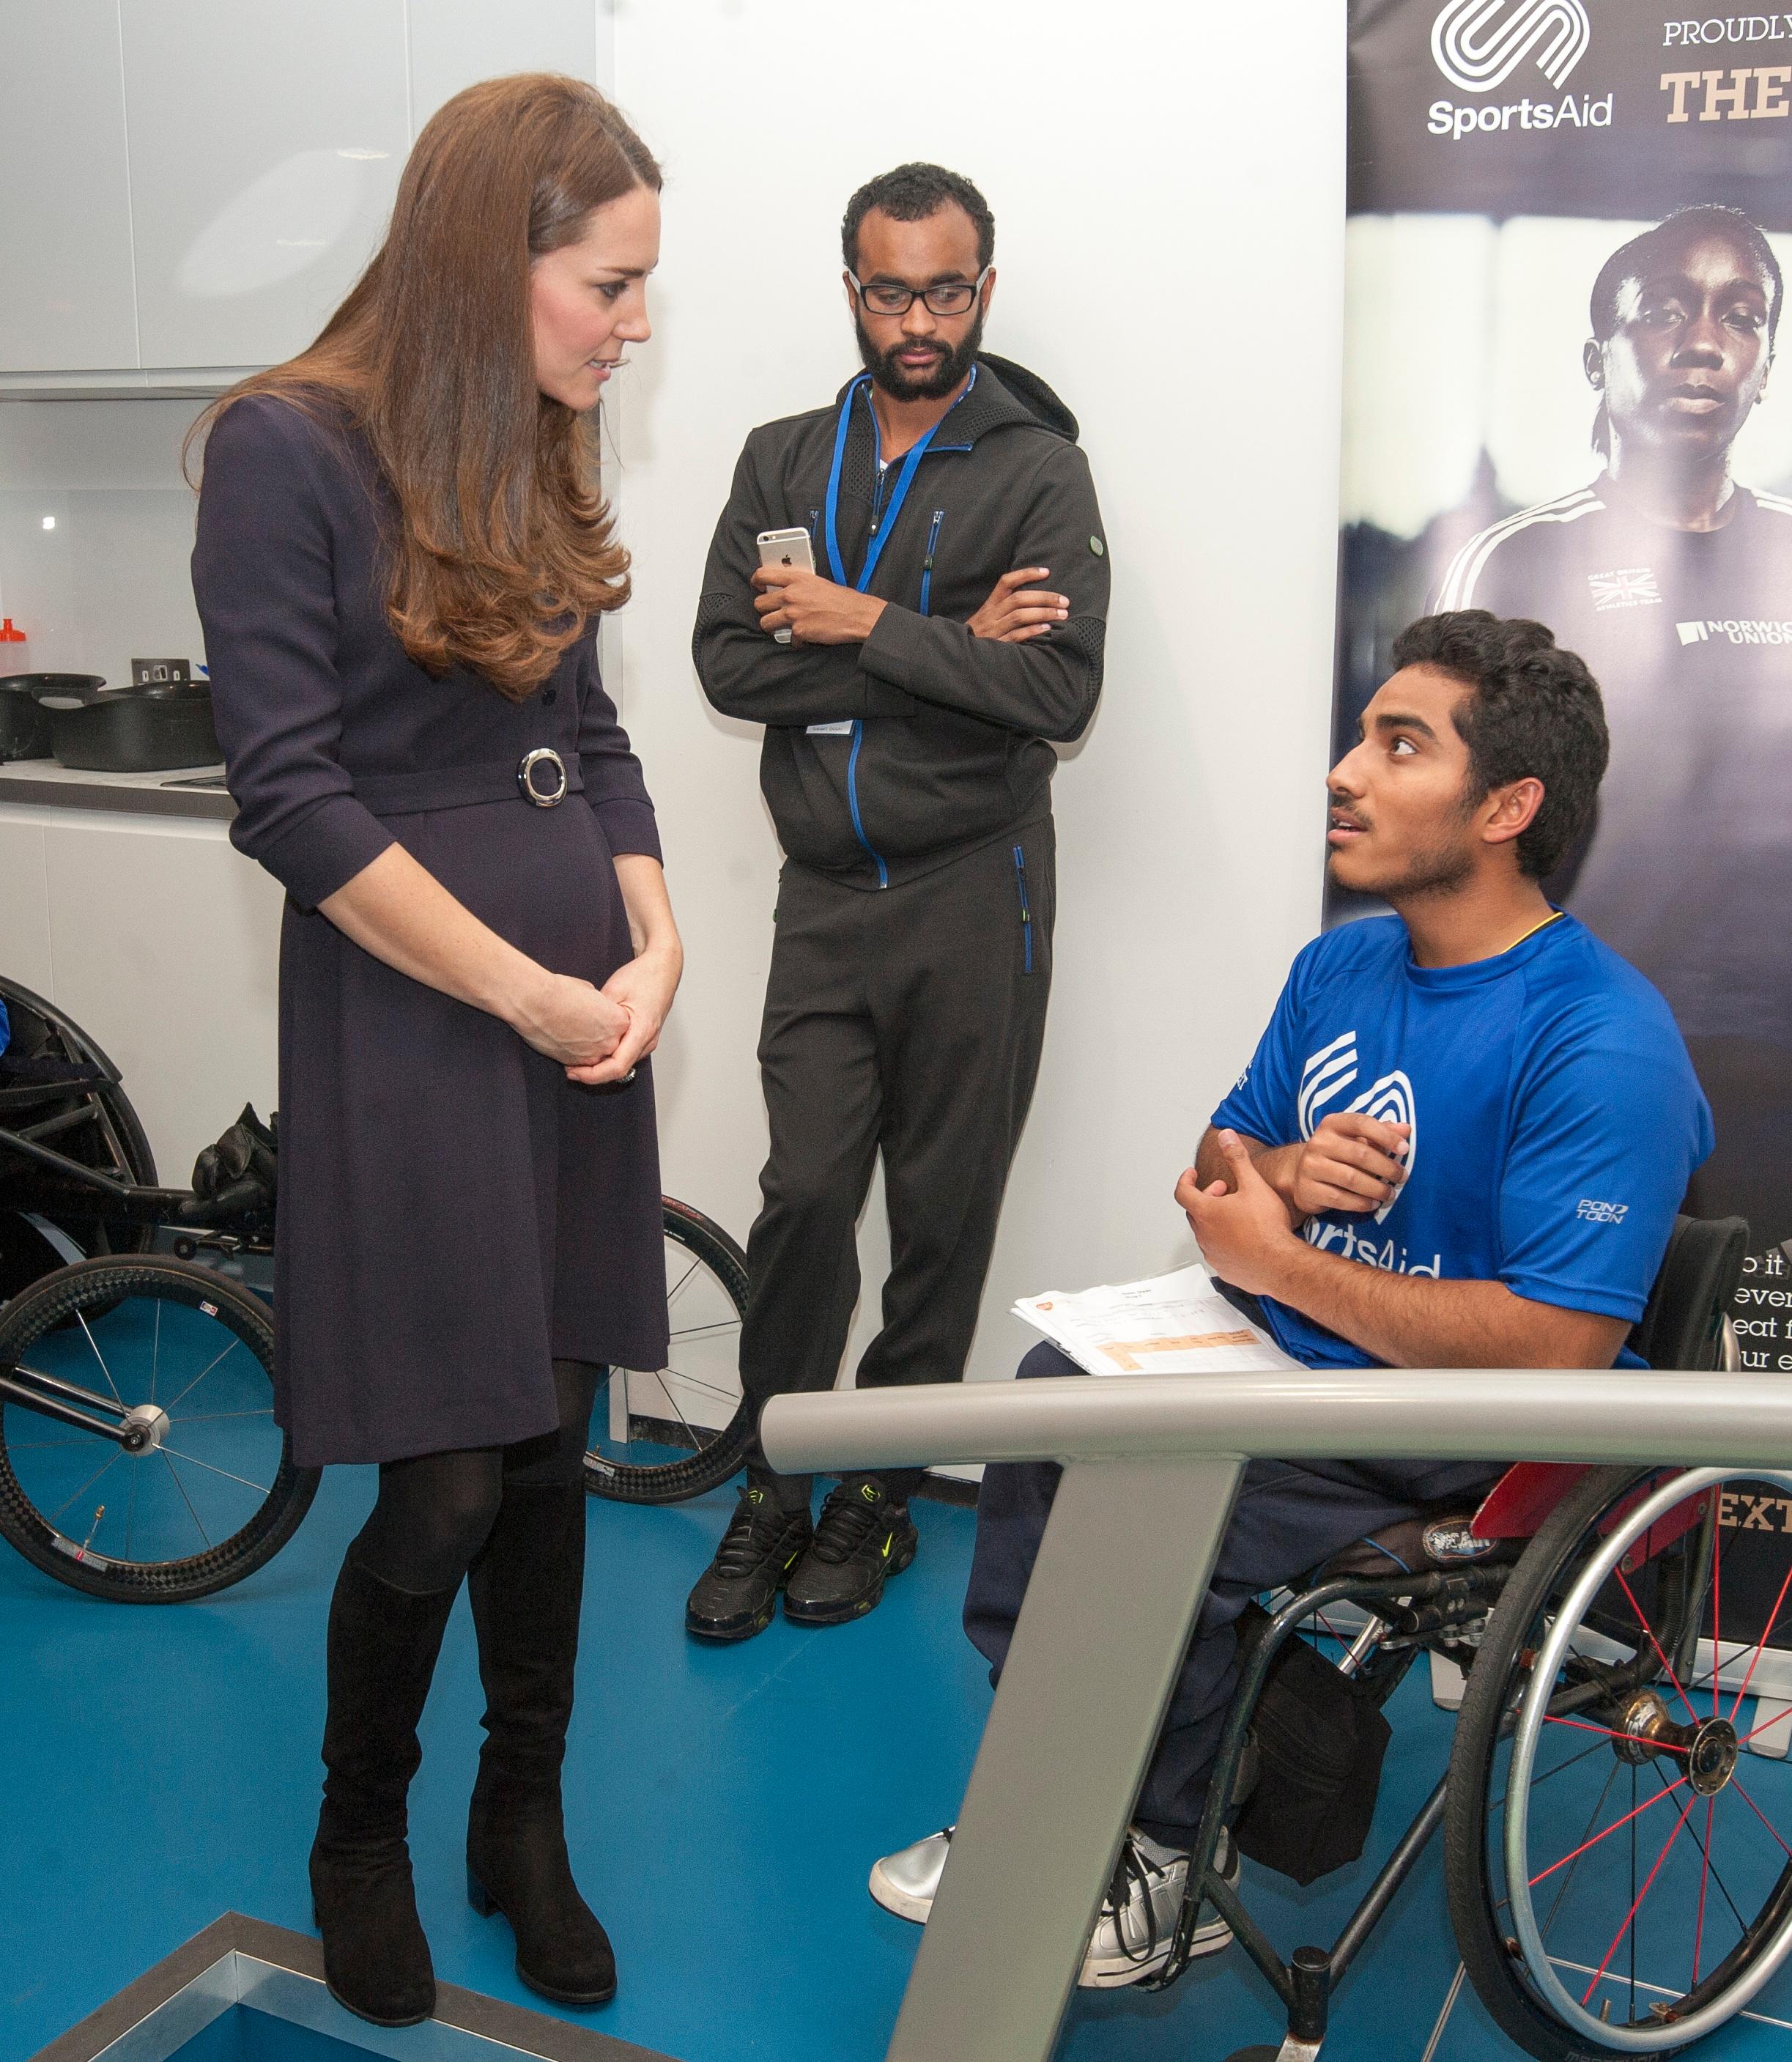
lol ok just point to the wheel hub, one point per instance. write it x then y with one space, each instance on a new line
1711 1755
146 1427
1705 1751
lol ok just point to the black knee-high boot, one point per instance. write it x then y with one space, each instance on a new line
383 1646
525 1587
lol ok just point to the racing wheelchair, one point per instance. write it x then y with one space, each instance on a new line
1618 1865
139 1459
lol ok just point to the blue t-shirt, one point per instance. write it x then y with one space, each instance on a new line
1556 1117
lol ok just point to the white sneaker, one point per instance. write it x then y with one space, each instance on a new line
907 1882
1133 1935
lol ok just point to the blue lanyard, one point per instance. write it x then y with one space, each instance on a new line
874 550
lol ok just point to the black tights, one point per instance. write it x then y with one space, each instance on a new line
435 1512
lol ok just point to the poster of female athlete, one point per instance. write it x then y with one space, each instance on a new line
1568 246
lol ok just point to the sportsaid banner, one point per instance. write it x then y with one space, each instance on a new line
1568 246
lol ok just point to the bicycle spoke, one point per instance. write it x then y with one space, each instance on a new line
697 1443
186 1499
203 1372
1717 1662
1649 1630
217 1417
130 1512
56 1514
1760 1645
155 1351
1637 1901
1560 1768
728 1396
672 1293
1723 1889
697 1331
1757 1811
104 1370
1704 1885
1581 1725
259 1488
1765 1726
1567 1881
1617 1826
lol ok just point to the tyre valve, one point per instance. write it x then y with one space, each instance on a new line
91 1529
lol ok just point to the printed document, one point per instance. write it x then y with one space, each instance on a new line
1173 1324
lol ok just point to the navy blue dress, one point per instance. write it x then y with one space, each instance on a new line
454 1214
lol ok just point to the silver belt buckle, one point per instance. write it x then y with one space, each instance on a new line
543 755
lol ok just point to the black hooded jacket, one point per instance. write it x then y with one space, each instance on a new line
937 742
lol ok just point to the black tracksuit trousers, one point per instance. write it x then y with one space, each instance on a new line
906 1020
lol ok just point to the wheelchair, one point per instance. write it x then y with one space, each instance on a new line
1618 1867
139 1459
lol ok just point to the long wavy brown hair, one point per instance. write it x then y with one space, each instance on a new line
504 546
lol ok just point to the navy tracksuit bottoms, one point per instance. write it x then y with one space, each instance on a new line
1288 1519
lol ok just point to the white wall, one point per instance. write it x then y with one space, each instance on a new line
1168 197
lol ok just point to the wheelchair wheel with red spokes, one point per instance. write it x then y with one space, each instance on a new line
1619 1864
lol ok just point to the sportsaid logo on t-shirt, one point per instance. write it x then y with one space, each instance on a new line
1325 1077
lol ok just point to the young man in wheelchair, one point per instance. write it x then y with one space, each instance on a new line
1461 1143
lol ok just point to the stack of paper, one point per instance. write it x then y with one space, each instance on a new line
1173 1324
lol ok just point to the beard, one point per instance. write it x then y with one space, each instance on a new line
948 370
1439 869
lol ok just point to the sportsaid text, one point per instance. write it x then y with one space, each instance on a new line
1352 1245
1444 118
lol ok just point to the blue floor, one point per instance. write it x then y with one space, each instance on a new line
724 1808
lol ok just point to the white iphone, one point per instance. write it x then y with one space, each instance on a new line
786 547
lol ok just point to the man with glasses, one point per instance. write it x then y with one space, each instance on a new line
950 634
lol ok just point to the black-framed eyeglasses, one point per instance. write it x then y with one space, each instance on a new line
890 297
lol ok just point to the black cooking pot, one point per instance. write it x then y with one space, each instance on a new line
132 730
24 726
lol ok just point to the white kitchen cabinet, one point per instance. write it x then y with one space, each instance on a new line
453 43
24 905
266 145
190 186
65 288
162 942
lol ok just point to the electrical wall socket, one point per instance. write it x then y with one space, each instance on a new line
160 672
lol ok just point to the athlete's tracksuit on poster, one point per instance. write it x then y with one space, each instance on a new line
909 779
1687 870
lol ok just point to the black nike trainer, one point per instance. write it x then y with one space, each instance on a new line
735 1594
862 1538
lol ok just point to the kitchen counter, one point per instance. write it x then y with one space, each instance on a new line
44 782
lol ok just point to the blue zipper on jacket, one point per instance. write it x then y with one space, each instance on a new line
874 550
1026 911
926 562
852 802
882 521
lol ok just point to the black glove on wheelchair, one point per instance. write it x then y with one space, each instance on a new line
241 1171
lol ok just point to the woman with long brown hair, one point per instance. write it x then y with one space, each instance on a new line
401 556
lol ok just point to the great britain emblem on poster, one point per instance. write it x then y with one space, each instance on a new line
1568 250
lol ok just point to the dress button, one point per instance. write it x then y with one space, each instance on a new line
550 695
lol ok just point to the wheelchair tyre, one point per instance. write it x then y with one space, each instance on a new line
184 1358
665 1436
1592 1680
